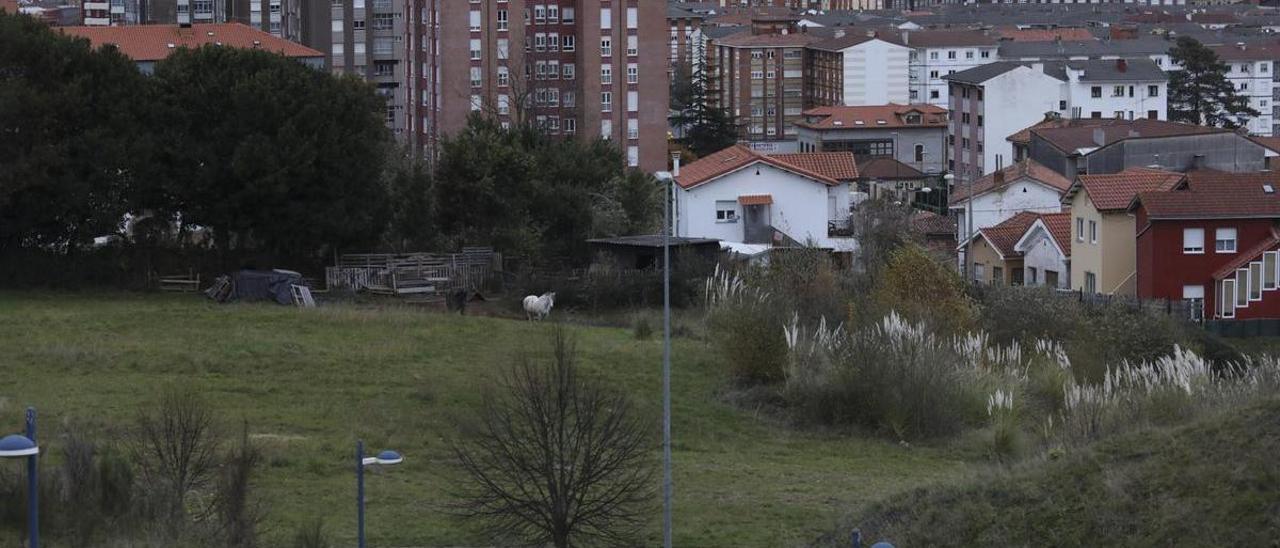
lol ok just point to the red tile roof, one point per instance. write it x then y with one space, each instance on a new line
1026 169
1005 235
1248 52
1272 143
1248 255
877 116
155 42
1059 225
1215 195
1044 35
1115 191
1024 136
825 167
755 199
840 166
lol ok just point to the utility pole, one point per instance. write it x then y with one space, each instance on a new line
667 178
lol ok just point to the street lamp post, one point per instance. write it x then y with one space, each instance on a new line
667 179
385 457
20 446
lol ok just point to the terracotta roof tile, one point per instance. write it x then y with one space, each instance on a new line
1026 169
825 167
1059 225
928 222
152 42
1043 35
1115 191
892 115
1024 135
755 199
881 167
1005 235
1215 195
840 166
1272 143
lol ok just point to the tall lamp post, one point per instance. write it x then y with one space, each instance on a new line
386 458
18 446
667 179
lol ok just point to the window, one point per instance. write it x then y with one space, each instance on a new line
606 101
475 49
474 20
997 275
726 211
1153 115
633 156
570 126
1095 91
504 76
933 55
540 42
553 42
1117 91
951 54
1242 287
1079 229
979 120
504 104
553 16
358 24
633 128
933 74
1269 270
1193 295
986 54
383 21
606 18
633 45
606 47
933 94
1226 300
1224 240
570 42
606 74
475 77
633 101
1093 232
968 54
569 99
476 102
633 18
504 48
569 73
1031 276
504 21
1255 281
919 153
1193 241
1090 282
633 73
1154 91
566 15
1062 105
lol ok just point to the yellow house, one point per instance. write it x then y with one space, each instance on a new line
1104 240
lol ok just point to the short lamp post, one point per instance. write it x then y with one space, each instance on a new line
385 458
18 446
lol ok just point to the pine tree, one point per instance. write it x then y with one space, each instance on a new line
707 129
1200 93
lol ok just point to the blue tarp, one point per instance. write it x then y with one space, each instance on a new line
264 285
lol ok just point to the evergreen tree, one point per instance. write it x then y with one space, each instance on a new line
1200 93
706 129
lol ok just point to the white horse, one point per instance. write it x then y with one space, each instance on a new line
539 307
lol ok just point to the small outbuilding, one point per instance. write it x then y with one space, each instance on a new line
645 251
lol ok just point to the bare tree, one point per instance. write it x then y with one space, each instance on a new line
176 445
554 457
238 511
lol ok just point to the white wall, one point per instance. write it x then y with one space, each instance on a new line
924 65
1011 102
875 73
800 205
1040 252
1254 83
992 208
1081 97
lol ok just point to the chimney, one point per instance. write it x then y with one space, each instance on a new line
871 34
1240 45
1197 162
1099 136
1122 65
839 33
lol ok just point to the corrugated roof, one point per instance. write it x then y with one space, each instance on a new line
1026 169
872 116
156 42
1023 136
1072 139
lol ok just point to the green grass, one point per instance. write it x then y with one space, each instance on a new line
311 381
1215 482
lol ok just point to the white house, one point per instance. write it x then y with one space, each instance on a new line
1046 251
990 103
739 195
1112 88
1023 187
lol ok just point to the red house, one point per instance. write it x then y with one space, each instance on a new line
1212 240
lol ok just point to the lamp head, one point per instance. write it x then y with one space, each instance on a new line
17 445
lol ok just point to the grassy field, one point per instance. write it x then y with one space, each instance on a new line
310 382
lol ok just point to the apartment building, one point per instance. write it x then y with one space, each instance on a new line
757 77
687 43
280 18
1112 88
572 67
938 53
856 69
913 135
1251 68
990 103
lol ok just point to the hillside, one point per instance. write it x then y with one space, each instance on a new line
1215 482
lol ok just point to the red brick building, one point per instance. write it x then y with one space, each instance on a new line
1213 241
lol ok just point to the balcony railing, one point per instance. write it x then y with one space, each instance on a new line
839 228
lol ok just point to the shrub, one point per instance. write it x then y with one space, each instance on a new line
749 340
642 329
919 288
312 535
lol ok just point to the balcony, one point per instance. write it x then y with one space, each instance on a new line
840 228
